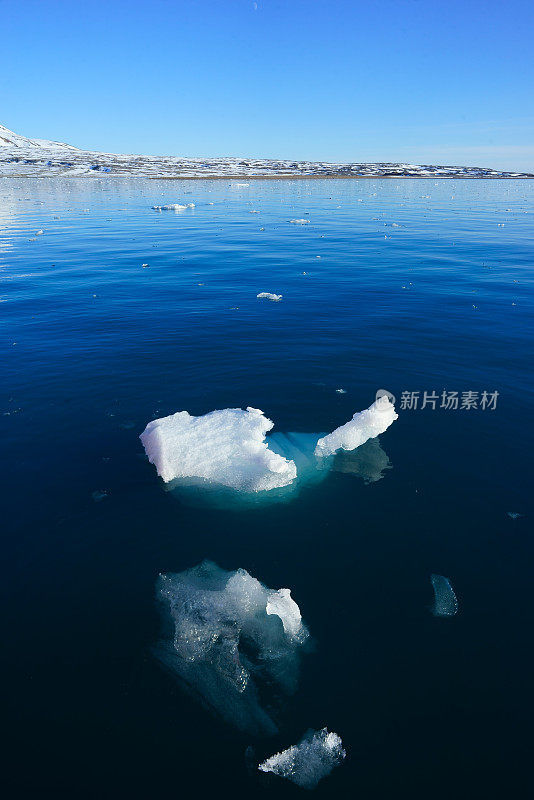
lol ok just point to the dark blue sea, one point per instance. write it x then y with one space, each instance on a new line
413 286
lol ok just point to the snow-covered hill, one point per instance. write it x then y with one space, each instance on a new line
13 140
23 157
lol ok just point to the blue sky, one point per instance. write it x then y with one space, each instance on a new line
410 80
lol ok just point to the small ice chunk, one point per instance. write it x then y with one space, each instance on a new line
300 221
269 296
99 494
514 514
364 425
39 233
225 447
173 207
445 602
307 762
341 391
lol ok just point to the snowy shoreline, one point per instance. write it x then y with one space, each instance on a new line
21 157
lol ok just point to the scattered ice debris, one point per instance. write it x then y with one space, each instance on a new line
514 514
233 642
99 494
225 447
269 296
445 602
307 762
173 207
341 391
364 425
299 221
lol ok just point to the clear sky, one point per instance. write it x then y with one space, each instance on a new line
425 81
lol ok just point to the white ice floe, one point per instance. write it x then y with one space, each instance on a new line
364 425
173 207
299 221
269 296
445 601
307 762
233 642
225 447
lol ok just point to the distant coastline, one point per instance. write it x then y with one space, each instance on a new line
289 176
21 157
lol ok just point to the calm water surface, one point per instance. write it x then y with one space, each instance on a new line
410 286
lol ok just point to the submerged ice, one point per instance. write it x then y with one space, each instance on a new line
232 641
224 447
307 762
445 601
364 425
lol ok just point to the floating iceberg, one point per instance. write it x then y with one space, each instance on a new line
226 452
173 207
445 602
225 447
300 221
269 296
233 642
363 426
307 762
